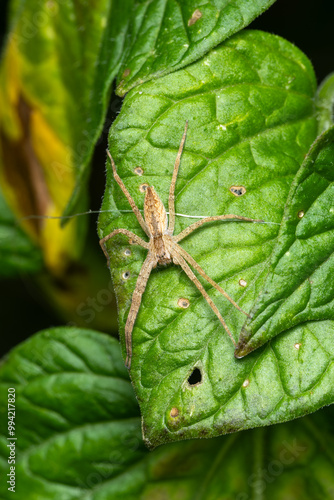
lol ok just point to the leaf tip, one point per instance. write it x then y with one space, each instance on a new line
243 348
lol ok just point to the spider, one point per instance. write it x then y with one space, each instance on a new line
163 247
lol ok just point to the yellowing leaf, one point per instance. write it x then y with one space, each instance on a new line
37 168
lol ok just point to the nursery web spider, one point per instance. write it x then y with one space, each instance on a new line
163 246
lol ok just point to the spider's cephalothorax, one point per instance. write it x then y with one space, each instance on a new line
157 223
163 247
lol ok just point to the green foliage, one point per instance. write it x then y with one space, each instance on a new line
78 436
251 121
299 286
254 116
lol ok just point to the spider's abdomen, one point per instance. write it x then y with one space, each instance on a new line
155 213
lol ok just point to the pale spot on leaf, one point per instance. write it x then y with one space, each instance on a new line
174 412
184 303
143 187
195 17
238 190
138 171
126 72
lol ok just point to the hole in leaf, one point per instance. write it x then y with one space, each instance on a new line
238 190
143 187
138 171
196 377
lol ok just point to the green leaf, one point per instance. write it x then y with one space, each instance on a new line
299 286
167 35
325 103
76 417
251 121
78 436
17 252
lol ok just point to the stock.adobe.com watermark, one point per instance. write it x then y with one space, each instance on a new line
93 305
37 21
262 477
11 475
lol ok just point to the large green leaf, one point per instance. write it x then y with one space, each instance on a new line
251 121
299 286
166 35
76 417
78 436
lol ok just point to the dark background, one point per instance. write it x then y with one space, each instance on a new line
307 24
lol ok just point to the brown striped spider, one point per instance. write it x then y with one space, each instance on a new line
163 247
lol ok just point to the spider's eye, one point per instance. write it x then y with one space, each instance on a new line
126 275
127 252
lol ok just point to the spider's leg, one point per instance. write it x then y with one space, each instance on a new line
193 263
144 274
171 199
199 223
129 234
128 196
178 259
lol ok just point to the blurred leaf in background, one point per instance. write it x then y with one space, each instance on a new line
17 250
45 89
